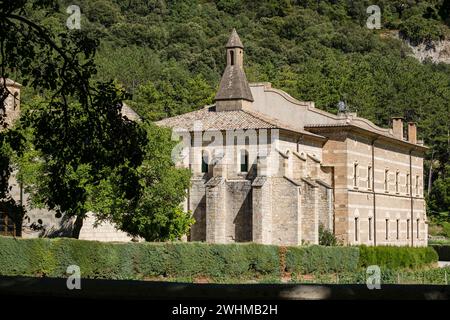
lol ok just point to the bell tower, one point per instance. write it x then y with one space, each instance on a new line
234 92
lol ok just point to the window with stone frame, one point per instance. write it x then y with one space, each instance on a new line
205 161
355 175
408 177
244 160
356 229
386 180
397 175
417 185
387 229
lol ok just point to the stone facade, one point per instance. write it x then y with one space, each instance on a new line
304 168
271 169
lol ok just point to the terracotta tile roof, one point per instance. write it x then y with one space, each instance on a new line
212 120
227 120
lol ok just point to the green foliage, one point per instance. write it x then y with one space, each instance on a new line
320 259
443 251
219 262
397 257
418 29
439 199
326 237
39 257
170 56
157 215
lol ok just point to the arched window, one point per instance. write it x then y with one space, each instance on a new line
244 161
232 58
205 161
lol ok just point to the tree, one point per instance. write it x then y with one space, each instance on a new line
157 214
80 138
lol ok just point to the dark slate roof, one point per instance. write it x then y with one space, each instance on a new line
234 85
234 41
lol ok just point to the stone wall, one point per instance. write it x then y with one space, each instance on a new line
197 204
239 211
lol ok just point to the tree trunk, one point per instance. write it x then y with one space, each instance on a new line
78 224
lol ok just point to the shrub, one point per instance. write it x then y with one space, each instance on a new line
326 237
51 257
396 257
321 259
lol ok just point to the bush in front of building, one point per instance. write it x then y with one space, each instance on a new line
51 257
320 259
396 257
175 260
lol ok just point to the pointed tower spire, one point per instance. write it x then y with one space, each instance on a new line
234 92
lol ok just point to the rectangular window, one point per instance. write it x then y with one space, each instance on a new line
398 229
356 230
396 181
418 229
244 161
370 229
369 177
408 225
417 185
387 229
407 183
355 175
386 179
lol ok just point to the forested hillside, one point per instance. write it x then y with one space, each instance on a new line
170 55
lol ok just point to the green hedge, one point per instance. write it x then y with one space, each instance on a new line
396 257
443 251
321 259
45 257
51 257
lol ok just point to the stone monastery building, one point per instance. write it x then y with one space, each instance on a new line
271 169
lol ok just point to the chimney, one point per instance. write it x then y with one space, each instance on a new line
397 127
412 132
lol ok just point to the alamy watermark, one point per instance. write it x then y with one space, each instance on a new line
373 280
374 20
74 280
74 20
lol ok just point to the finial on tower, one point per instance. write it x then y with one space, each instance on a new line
234 92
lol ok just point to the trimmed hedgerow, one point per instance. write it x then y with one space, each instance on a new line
321 259
396 257
45 257
51 257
